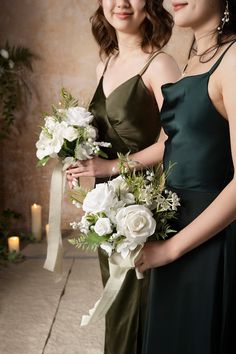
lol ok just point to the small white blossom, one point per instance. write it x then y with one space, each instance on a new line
91 132
84 225
74 225
76 204
103 226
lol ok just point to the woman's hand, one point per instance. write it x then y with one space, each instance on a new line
155 254
95 167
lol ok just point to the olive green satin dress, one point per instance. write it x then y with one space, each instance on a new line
192 308
129 119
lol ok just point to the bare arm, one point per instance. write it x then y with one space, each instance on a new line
220 213
162 70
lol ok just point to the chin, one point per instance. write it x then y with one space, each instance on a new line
182 21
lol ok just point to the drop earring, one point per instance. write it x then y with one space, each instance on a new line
224 19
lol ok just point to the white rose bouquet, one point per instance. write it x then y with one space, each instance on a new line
119 217
68 134
121 214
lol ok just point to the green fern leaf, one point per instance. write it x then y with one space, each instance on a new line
67 100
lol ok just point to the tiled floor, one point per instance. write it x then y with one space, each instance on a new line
39 316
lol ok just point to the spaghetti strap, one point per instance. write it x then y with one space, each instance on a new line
149 62
217 63
106 65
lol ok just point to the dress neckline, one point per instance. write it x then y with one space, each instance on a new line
185 77
206 73
137 77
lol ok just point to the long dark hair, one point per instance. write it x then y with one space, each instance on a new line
222 37
155 30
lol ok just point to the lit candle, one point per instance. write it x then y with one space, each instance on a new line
14 244
36 219
47 230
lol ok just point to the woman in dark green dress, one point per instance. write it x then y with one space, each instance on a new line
192 308
126 105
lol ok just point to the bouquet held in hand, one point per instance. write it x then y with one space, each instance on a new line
68 133
120 216
122 213
68 136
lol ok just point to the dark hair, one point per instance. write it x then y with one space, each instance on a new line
229 27
224 36
156 29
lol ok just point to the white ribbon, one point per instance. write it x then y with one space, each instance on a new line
54 258
118 270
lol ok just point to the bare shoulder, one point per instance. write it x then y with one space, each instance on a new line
100 69
165 67
164 60
228 65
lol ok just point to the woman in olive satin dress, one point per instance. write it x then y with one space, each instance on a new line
131 35
192 307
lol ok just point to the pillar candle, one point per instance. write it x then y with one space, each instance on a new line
36 220
47 230
14 244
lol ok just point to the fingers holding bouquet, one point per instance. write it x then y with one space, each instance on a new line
94 167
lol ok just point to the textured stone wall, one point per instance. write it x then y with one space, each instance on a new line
59 32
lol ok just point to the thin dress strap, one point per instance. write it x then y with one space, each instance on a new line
106 65
149 62
217 63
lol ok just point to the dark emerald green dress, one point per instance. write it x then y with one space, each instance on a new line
129 119
192 308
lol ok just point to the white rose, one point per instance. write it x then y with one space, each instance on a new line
107 247
78 116
136 223
4 53
99 199
103 226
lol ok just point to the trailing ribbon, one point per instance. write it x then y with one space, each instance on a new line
118 270
54 258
